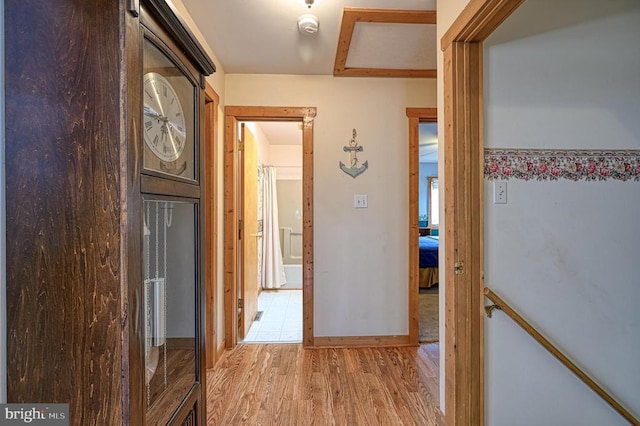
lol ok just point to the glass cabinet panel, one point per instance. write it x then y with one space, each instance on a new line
170 305
169 131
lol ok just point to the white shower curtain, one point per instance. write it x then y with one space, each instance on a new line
272 265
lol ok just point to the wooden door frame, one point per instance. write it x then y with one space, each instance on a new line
464 207
416 116
211 104
233 115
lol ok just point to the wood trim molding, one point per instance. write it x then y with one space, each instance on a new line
478 20
424 115
416 116
307 228
212 101
230 230
233 115
181 342
169 16
362 341
351 16
220 352
261 113
414 261
385 72
464 207
464 234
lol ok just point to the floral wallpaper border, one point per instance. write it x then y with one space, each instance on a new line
552 165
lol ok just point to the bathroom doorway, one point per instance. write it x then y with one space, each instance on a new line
277 179
233 213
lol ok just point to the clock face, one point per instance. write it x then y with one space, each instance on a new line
163 119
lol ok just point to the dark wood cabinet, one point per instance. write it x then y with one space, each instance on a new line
90 211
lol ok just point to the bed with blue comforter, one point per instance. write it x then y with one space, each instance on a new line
428 261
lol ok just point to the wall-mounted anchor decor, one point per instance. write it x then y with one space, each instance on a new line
353 149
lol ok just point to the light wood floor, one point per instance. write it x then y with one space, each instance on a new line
284 384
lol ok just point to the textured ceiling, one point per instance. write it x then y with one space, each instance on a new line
370 39
261 37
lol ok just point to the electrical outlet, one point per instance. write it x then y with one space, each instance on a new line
499 192
360 201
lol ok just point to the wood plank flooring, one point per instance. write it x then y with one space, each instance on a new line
284 384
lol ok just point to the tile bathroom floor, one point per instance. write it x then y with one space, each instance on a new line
281 319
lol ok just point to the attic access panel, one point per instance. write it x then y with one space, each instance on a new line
402 43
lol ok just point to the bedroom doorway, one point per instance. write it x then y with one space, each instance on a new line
428 241
424 294
426 324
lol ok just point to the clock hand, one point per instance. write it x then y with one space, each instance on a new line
171 129
176 128
152 113
167 130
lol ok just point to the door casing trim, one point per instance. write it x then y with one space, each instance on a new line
212 102
233 115
463 186
416 116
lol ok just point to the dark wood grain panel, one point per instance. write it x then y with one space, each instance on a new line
63 206
160 186
167 14
210 196
189 396
131 227
73 108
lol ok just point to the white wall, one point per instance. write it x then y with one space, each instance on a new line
216 80
290 216
564 254
360 260
288 161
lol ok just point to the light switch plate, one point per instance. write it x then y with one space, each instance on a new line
360 201
499 192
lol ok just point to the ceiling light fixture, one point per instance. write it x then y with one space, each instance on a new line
308 24
309 3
